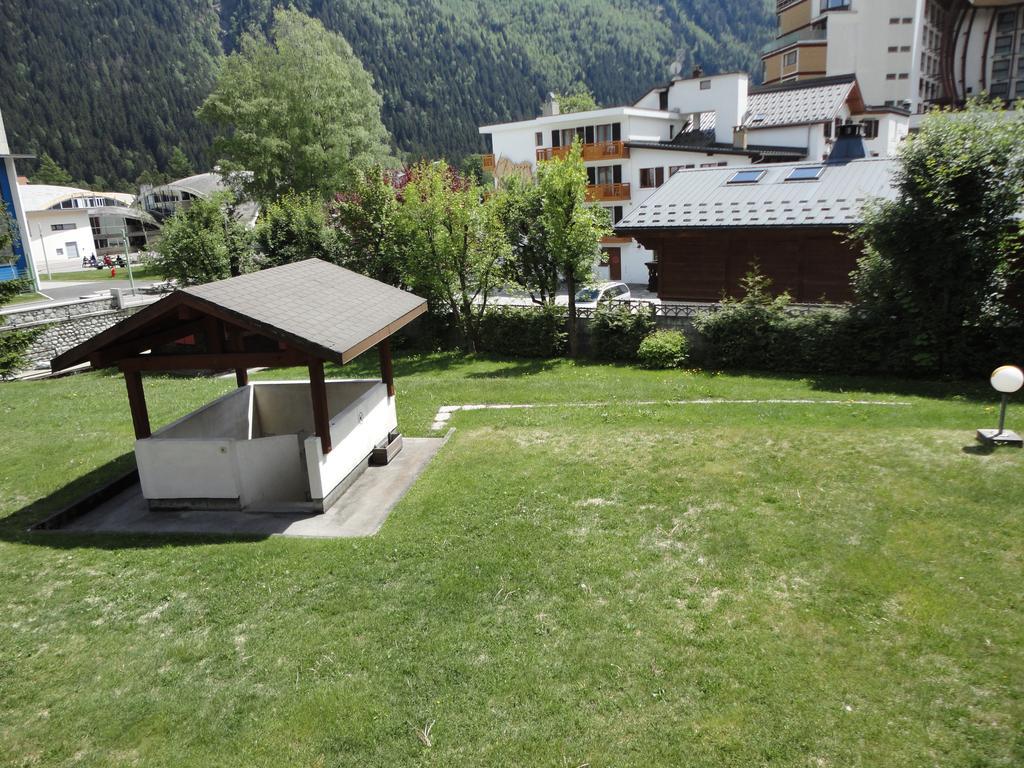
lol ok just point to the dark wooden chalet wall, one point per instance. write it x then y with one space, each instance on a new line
812 263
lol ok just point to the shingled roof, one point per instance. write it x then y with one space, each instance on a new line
311 307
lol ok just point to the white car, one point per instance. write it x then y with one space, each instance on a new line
597 294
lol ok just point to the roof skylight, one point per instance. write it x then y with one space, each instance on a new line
806 173
746 177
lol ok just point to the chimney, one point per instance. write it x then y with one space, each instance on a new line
739 137
550 108
849 145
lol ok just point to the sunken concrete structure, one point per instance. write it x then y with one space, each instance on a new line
267 446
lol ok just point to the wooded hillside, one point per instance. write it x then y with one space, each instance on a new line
109 88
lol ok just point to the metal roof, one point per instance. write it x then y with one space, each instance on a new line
40 197
704 198
799 103
318 308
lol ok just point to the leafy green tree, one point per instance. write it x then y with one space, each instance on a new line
366 220
531 265
940 259
454 244
577 99
203 243
178 165
572 229
297 110
49 172
295 228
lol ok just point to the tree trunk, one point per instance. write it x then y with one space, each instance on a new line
570 280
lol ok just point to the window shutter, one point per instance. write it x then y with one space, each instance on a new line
616 131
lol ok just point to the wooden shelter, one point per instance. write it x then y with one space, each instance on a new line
306 313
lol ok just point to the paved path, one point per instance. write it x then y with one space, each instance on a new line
444 413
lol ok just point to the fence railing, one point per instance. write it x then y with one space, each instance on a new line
680 310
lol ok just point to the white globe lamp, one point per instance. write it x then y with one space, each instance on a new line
1006 379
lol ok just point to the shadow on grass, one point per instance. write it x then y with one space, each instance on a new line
16 528
964 391
514 367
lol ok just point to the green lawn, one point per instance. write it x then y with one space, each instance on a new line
25 298
139 272
615 585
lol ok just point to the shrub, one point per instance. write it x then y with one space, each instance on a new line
524 331
663 349
616 331
14 344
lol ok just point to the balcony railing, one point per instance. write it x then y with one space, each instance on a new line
596 192
487 161
598 150
810 34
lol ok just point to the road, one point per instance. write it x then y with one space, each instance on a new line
66 291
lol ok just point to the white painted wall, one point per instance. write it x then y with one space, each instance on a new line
725 95
858 43
51 247
245 446
354 432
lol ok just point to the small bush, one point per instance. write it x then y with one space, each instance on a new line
524 331
663 349
616 331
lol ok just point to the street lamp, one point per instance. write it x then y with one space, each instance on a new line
1006 380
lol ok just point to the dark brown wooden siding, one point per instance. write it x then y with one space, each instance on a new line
812 263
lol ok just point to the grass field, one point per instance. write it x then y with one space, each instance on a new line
139 272
25 298
616 585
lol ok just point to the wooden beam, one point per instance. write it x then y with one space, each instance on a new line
321 415
236 344
387 373
137 403
213 362
113 354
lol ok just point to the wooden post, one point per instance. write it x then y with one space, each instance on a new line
235 341
387 374
137 403
321 417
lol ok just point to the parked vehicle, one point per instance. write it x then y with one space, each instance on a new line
602 292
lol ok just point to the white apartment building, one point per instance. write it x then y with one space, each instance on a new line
905 53
697 122
68 225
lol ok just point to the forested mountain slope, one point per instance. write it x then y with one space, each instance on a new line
109 87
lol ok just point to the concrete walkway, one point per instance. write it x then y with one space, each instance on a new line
360 511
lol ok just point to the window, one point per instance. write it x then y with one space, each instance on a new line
894 20
60 251
1002 90
62 227
890 76
834 5
789 60
705 85
870 129
1019 89
904 75
663 100
1003 44
806 173
1000 69
651 177
539 139
908 20
746 177
615 213
714 165
893 48
1006 21
674 169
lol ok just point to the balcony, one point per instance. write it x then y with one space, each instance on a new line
599 150
602 192
487 161
808 35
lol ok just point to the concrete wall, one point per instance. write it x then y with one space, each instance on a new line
66 324
355 431
255 445
725 95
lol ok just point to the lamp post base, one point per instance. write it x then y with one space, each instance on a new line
997 437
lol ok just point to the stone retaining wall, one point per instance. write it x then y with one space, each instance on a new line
66 324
